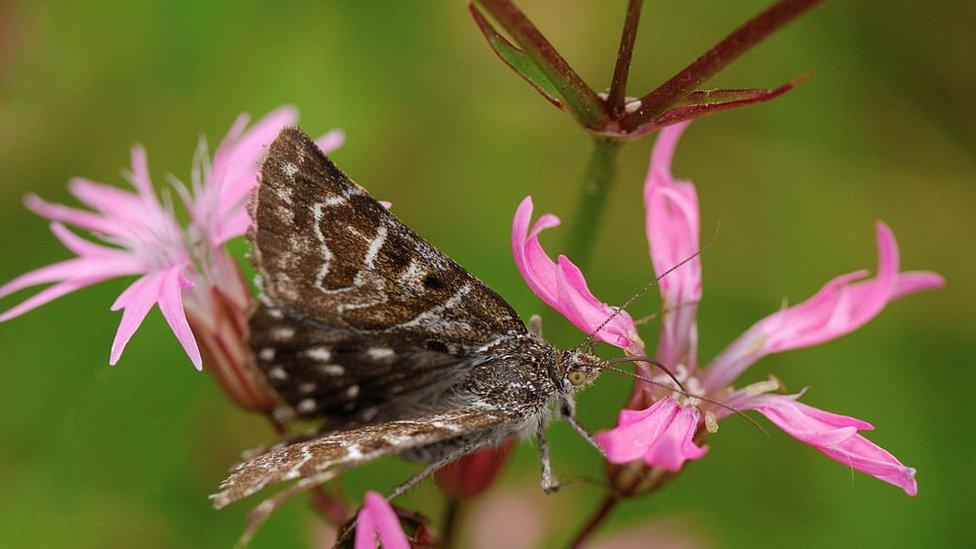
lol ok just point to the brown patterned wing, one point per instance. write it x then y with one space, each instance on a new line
345 375
344 449
352 295
331 252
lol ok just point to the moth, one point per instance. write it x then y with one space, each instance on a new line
394 347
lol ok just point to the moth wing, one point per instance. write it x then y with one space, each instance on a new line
346 376
358 311
343 449
328 251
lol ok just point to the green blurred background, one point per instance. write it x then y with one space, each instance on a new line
93 456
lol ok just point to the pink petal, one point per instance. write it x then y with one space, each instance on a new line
136 301
50 294
562 286
111 201
237 128
235 163
662 435
839 308
672 227
101 268
836 437
140 176
234 224
331 141
79 245
73 216
907 283
220 205
377 520
171 305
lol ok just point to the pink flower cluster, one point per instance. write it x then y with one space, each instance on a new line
664 431
178 267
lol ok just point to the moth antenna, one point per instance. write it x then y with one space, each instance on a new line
646 319
645 379
644 288
647 359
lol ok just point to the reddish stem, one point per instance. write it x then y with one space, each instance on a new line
582 100
731 47
618 86
598 517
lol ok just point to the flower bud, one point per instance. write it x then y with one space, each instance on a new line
474 473
217 315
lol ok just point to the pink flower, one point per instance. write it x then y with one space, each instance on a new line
182 270
561 285
843 305
671 223
221 188
662 434
146 240
835 436
378 522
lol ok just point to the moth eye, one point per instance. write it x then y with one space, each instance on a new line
577 378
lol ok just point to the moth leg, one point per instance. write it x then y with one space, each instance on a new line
549 483
535 325
432 467
568 411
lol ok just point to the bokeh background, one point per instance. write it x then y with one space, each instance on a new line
95 456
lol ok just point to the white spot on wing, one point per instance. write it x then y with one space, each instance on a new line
445 426
307 406
267 354
380 353
354 452
332 369
369 413
282 333
320 353
278 373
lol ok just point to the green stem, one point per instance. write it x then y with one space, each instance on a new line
600 173
450 529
